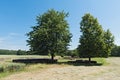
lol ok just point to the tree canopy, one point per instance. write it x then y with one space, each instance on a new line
115 51
93 41
109 42
51 34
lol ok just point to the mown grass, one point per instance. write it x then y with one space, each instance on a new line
8 68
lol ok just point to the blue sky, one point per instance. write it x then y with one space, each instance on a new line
17 16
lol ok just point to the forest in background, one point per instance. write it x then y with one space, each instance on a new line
12 52
115 52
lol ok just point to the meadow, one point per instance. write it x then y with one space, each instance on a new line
109 70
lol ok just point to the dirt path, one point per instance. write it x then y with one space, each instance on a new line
111 72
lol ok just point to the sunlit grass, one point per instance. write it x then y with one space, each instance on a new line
102 61
33 67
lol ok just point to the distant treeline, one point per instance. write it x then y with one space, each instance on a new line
115 52
12 52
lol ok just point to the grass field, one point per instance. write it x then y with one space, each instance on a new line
110 70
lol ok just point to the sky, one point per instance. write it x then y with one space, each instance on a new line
18 16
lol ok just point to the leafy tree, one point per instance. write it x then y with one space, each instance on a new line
51 34
72 53
92 39
109 39
115 51
21 52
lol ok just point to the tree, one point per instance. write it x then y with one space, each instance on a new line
109 42
92 39
51 34
72 53
115 51
21 52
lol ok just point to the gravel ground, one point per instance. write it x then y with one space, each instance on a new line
109 72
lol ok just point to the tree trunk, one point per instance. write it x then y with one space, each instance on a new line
89 59
52 56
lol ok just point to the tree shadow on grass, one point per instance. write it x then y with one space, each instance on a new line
36 60
49 61
75 63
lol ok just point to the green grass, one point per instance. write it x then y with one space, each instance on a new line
4 74
101 61
12 68
8 68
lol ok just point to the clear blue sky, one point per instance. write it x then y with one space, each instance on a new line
17 16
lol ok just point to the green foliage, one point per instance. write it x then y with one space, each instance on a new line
115 51
94 42
7 52
91 41
72 53
12 52
21 52
109 39
51 34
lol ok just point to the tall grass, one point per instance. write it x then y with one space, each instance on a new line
9 68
